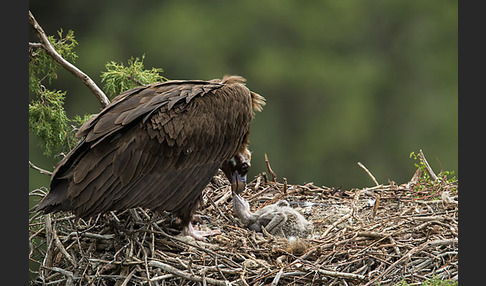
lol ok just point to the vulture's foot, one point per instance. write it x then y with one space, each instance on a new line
199 234
200 218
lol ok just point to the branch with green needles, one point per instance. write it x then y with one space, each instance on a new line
65 64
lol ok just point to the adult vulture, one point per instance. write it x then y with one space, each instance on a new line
157 146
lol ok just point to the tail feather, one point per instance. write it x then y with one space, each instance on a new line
56 200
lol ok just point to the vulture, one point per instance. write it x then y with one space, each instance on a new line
278 219
157 147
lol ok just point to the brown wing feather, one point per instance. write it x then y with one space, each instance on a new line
155 146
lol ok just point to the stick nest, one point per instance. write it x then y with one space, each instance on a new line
382 234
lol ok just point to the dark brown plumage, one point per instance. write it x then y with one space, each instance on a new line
156 146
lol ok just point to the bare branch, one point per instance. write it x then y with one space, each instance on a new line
274 176
42 171
369 173
65 64
433 176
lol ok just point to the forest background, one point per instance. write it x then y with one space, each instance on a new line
345 81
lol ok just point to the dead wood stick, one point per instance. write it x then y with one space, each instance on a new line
285 186
258 194
63 250
394 245
343 218
257 184
90 235
433 176
129 277
162 277
430 218
375 206
277 277
62 271
42 171
50 242
369 173
49 48
272 173
341 274
371 234
345 275
187 276
443 242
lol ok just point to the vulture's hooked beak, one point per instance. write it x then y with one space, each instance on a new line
238 182
236 170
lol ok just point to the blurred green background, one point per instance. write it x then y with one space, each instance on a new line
345 81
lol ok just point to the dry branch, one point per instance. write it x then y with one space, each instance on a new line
272 173
40 170
65 64
433 176
369 173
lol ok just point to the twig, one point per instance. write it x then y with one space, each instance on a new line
62 271
42 171
375 206
59 245
433 176
272 173
277 277
257 183
162 277
50 241
337 273
129 277
285 186
185 275
65 64
369 173
340 220
258 194
35 45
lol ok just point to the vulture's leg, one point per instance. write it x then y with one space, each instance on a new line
188 229
198 234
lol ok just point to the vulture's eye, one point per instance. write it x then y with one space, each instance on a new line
244 169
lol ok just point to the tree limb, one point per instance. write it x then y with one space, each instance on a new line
65 64
42 171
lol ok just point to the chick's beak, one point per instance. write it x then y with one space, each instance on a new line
238 182
241 208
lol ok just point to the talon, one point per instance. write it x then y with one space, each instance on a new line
199 234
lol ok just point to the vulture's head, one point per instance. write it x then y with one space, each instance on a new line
236 170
